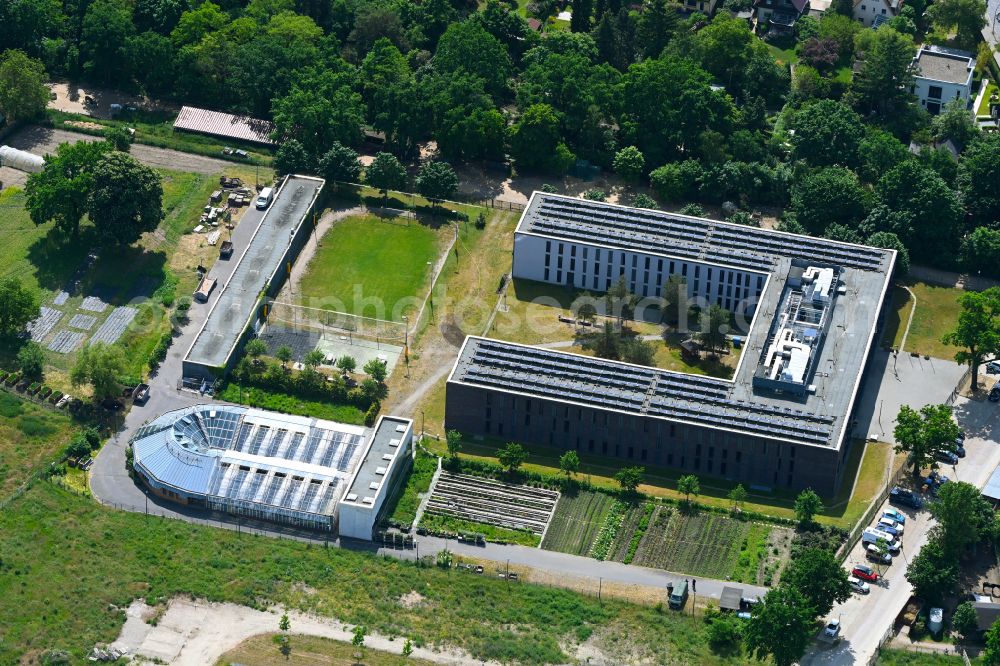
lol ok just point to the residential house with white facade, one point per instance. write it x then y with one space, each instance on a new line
942 75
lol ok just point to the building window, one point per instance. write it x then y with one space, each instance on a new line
934 92
631 452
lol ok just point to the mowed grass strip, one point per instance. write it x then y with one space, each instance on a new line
310 651
936 314
67 565
30 435
576 521
372 267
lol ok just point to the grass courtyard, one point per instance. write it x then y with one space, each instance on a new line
374 267
935 313
68 565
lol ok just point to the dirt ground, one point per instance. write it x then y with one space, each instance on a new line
70 98
42 140
198 632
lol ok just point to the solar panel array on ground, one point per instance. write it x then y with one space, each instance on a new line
46 321
114 326
82 322
65 342
614 385
93 304
682 236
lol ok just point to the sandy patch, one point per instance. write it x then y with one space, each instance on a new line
411 599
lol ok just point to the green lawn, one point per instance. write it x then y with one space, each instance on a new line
984 106
68 565
30 436
310 651
937 311
289 404
408 500
888 657
372 267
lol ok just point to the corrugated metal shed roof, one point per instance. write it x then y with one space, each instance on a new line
226 125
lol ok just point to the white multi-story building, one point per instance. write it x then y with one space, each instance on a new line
872 13
942 75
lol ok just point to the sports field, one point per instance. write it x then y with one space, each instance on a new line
373 267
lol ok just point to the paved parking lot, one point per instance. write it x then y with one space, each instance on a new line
866 619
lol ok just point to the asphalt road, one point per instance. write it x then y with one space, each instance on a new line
866 620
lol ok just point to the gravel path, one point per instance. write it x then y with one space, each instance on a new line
42 140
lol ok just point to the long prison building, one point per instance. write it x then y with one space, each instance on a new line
784 419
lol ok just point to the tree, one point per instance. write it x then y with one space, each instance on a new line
23 93
291 157
629 163
922 434
638 351
569 463
347 364
385 173
977 331
890 241
284 354
340 163
920 208
313 359
376 369
580 18
658 23
126 199
607 343
512 456
688 485
883 84
821 53
467 46
31 360
738 496
932 572
781 626
955 123
629 478
829 196
587 311
991 655
18 306
536 141
842 29
358 641
454 439
807 505
320 108
674 300
714 326
119 138
100 365
964 517
978 171
817 575
255 349
981 251
966 17
880 152
827 133
106 27
641 200
965 620
437 181
60 192
284 625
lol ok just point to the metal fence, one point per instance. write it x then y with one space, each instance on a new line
869 514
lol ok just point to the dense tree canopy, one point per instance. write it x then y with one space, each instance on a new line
23 93
60 192
125 199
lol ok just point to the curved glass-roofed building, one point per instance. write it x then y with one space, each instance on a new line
259 464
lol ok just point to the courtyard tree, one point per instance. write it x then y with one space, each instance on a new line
284 354
346 364
816 573
782 626
714 326
977 331
23 93
511 456
964 516
688 485
619 301
454 439
385 173
59 193
437 181
313 359
100 366
645 201
932 572
31 360
569 463
376 369
586 311
629 478
738 496
125 199
807 505
674 302
922 434
18 306
255 349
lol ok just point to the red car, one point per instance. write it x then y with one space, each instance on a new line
864 573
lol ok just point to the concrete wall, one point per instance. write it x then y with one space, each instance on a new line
634 439
596 269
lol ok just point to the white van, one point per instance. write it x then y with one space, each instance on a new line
872 536
265 198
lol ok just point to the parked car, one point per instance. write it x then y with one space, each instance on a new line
993 368
946 457
871 552
904 497
959 450
864 573
889 525
896 515
995 394
832 629
859 585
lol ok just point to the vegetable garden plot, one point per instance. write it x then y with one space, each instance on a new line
481 500
93 304
45 322
82 322
576 521
115 325
65 342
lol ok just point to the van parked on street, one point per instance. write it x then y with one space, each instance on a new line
265 198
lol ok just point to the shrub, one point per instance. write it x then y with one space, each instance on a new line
372 414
